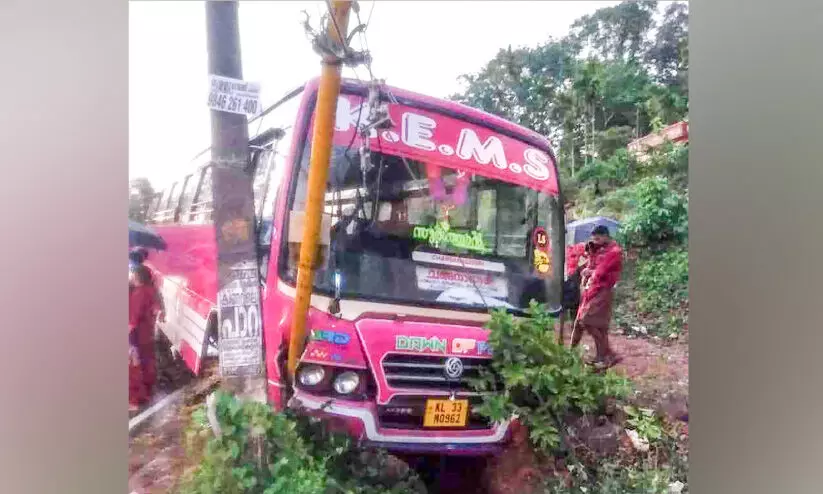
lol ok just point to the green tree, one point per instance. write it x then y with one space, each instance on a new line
615 33
668 55
140 195
596 89
520 85
660 214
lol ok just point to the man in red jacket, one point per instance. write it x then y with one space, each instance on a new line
602 271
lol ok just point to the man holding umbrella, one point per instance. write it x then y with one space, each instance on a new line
141 237
145 307
604 262
137 257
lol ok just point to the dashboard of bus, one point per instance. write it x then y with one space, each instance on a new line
418 233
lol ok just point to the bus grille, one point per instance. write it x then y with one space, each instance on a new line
428 372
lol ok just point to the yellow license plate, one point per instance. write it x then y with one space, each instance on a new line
446 413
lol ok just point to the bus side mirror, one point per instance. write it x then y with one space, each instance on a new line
334 307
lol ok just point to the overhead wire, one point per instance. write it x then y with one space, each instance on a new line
361 28
393 99
336 26
373 85
373 80
337 206
363 38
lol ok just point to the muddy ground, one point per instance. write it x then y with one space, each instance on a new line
157 456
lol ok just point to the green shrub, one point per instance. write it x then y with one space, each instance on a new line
613 140
645 422
544 382
616 204
262 452
612 478
539 379
607 174
663 280
567 184
659 215
655 293
652 472
670 161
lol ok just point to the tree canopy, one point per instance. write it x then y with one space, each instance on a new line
620 73
140 195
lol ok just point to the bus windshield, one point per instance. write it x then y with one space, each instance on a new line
414 232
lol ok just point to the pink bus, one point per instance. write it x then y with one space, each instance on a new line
452 212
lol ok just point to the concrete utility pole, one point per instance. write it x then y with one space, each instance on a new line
321 146
240 338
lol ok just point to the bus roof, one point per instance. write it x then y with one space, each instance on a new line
453 108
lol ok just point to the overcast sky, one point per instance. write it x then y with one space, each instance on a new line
420 46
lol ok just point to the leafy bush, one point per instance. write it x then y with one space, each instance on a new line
662 282
660 214
545 383
259 451
539 379
645 422
670 161
615 204
609 173
653 296
568 185
656 471
613 478
612 140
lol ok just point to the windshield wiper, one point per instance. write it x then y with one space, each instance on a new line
476 288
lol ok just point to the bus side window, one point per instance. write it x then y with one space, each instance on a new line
187 197
267 175
174 200
165 213
263 161
155 201
161 206
201 208
270 185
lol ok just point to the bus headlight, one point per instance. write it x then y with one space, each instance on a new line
346 382
311 375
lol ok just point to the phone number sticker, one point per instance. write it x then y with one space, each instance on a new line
234 95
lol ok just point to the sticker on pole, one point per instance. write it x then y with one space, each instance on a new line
241 337
234 95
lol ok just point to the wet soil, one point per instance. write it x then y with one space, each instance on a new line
158 459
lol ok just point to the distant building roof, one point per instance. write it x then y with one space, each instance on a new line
677 133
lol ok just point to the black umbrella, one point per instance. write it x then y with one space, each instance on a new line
143 236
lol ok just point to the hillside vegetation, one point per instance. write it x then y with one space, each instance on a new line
620 73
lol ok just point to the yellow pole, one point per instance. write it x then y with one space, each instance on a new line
327 94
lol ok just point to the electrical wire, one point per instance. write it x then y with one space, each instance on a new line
364 39
373 85
371 11
393 100
334 20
